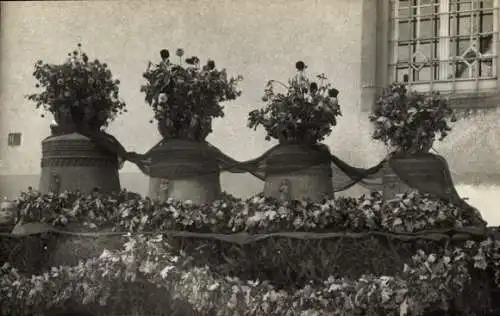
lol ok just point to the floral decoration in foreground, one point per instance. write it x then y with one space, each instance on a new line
127 212
303 113
429 282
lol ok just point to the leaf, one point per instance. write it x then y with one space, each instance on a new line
125 213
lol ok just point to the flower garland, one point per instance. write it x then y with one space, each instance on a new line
81 89
409 213
409 122
305 113
429 281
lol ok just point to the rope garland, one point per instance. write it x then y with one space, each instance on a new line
245 238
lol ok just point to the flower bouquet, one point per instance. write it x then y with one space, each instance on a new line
185 99
80 93
304 113
409 122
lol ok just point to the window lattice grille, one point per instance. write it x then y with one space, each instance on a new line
443 41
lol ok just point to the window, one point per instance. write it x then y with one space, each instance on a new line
14 139
447 43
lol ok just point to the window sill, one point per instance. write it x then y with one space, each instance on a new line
481 94
475 100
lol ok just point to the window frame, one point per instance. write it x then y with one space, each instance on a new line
454 85
14 139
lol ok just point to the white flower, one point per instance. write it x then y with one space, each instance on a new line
162 98
386 294
271 215
406 268
446 259
253 283
397 221
106 254
219 215
298 222
309 312
165 271
431 258
335 287
147 267
257 217
214 286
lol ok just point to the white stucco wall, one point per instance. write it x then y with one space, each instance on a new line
261 40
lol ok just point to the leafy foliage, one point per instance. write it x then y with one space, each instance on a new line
411 212
429 282
184 99
79 87
305 113
409 122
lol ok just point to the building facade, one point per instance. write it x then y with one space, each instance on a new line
447 45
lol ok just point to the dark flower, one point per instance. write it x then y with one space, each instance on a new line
75 52
165 54
79 45
85 58
333 93
300 65
210 64
179 52
193 60
313 87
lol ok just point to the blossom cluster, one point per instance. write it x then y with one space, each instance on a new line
186 98
428 281
82 88
304 113
127 212
409 122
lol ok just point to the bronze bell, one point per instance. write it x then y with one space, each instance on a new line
55 183
163 192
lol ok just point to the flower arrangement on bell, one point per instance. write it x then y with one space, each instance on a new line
80 93
185 99
409 122
304 114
